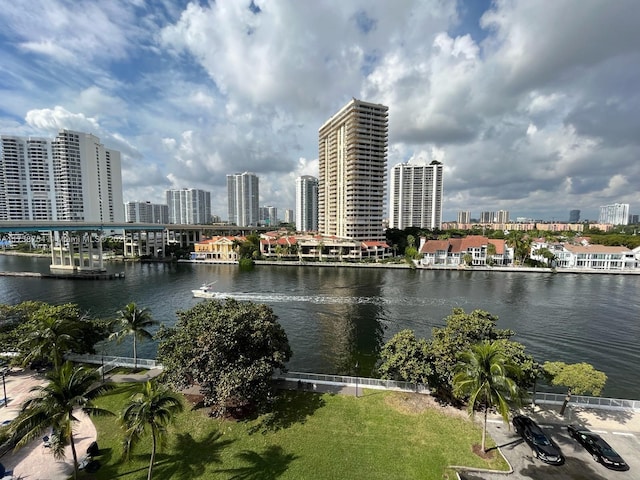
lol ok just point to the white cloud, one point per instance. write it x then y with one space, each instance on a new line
539 117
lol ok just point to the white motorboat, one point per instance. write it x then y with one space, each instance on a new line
206 291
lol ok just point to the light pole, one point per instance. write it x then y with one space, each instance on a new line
4 385
356 379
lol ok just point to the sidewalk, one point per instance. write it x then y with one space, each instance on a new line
35 461
595 419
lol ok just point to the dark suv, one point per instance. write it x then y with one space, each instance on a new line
541 445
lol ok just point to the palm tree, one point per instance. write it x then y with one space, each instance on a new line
134 321
486 377
69 388
155 407
50 338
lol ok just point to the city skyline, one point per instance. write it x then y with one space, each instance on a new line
192 91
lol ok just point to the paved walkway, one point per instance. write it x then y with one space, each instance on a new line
35 461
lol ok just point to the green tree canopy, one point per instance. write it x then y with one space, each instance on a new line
405 358
462 330
229 349
486 377
579 378
54 330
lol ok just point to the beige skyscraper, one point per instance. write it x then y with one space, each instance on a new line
352 161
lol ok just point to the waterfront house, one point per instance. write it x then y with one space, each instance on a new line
452 251
217 249
583 255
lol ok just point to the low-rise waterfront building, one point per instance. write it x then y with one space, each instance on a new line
217 249
452 252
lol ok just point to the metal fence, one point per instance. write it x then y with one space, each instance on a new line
109 362
364 382
603 403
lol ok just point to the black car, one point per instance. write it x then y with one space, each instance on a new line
541 445
599 449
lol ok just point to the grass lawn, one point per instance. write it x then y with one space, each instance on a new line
380 435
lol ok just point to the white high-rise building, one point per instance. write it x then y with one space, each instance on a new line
243 196
288 216
146 212
616 214
307 204
416 195
464 216
502 216
70 178
352 158
189 206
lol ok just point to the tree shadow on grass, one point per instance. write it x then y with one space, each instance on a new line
190 457
291 407
268 466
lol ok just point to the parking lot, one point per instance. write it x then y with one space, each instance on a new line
579 464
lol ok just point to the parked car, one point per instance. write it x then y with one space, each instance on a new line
599 449
541 445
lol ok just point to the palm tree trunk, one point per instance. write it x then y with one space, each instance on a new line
75 456
153 456
484 429
135 355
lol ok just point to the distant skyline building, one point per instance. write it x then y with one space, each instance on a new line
70 178
288 216
416 195
243 193
502 216
574 216
487 217
269 216
146 212
189 206
464 216
307 204
615 214
352 160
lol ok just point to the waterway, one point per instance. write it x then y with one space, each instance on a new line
337 317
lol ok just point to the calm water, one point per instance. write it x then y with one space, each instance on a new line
337 316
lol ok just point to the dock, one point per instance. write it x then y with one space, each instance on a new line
66 276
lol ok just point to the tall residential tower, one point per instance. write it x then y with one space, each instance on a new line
243 198
70 178
416 195
189 206
307 204
352 157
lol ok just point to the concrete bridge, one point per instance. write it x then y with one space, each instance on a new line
71 243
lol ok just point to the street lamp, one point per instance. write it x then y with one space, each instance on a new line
356 378
3 372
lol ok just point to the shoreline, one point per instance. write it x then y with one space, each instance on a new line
405 266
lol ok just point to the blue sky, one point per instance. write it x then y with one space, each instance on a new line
532 106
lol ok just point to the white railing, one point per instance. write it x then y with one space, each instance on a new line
584 401
364 382
110 362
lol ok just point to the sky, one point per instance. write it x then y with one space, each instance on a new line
532 106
